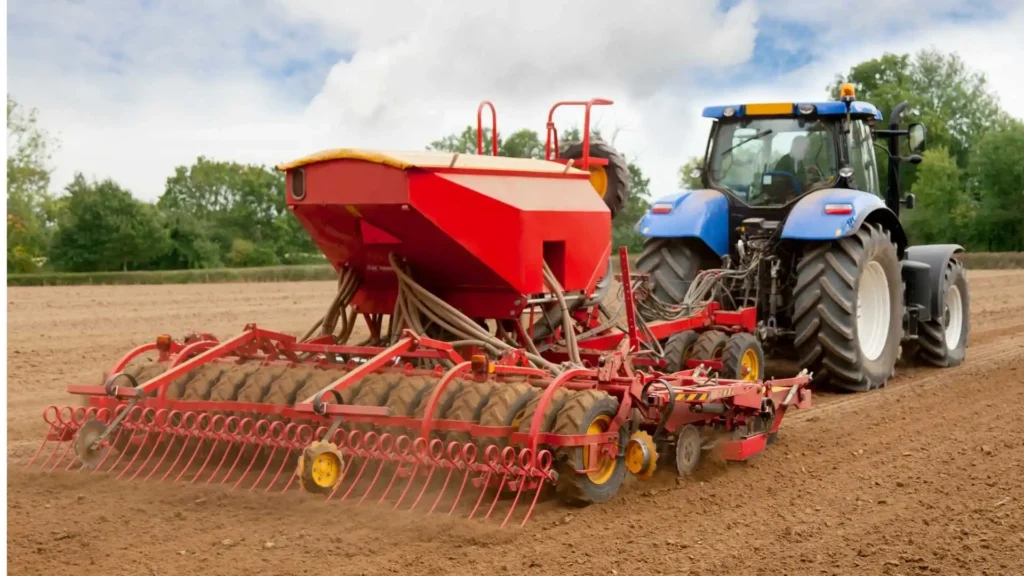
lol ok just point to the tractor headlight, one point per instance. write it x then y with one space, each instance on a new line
806 108
729 112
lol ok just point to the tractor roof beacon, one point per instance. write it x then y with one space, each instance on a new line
791 202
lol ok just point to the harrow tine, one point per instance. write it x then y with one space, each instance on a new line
280 469
421 457
435 461
403 452
508 460
469 459
246 439
542 465
453 463
382 450
231 439
51 415
215 434
270 458
117 437
177 418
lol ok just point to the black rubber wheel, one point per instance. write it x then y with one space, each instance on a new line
672 264
678 349
830 288
505 407
933 342
612 181
582 409
711 345
743 358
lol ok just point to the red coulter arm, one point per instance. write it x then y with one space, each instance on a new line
552 132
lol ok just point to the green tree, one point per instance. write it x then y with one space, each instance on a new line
231 201
953 102
639 202
996 177
943 212
101 226
30 207
687 180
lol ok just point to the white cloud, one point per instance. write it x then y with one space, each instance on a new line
184 84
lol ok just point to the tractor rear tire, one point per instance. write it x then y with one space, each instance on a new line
942 341
672 264
612 181
846 287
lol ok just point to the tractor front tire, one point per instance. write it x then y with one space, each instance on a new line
942 341
848 310
610 181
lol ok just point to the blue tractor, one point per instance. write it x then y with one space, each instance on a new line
791 218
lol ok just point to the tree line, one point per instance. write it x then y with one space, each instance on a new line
969 189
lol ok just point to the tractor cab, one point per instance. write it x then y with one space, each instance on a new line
770 155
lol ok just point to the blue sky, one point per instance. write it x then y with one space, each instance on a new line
133 88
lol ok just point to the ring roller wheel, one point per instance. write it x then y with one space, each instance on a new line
406 397
550 413
374 391
506 406
467 407
444 403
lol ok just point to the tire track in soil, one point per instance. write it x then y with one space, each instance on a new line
922 477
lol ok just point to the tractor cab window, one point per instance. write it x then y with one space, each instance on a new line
771 161
862 157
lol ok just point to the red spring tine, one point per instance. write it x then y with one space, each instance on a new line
146 414
469 459
303 438
419 456
287 438
400 454
50 414
453 462
493 460
246 436
77 419
231 436
190 427
432 456
173 427
272 437
380 451
508 463
159 423
525 462
544 472
216 432
359 443
260 439
128 425
201 428
64 424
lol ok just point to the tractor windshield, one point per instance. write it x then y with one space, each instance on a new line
770 161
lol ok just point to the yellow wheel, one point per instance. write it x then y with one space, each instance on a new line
320 466
641 455
743 358
589 412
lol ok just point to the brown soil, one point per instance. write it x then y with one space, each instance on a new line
922 477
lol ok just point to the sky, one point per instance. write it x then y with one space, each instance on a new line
134 88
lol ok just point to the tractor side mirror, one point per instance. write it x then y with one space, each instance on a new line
910 201
915 137
914 159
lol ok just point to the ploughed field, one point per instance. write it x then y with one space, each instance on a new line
923 477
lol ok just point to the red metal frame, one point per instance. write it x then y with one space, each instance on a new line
552 132
480 128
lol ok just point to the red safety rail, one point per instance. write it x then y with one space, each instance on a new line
480 128
551 142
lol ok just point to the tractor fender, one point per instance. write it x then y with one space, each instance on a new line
935 256
702 214
807 219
